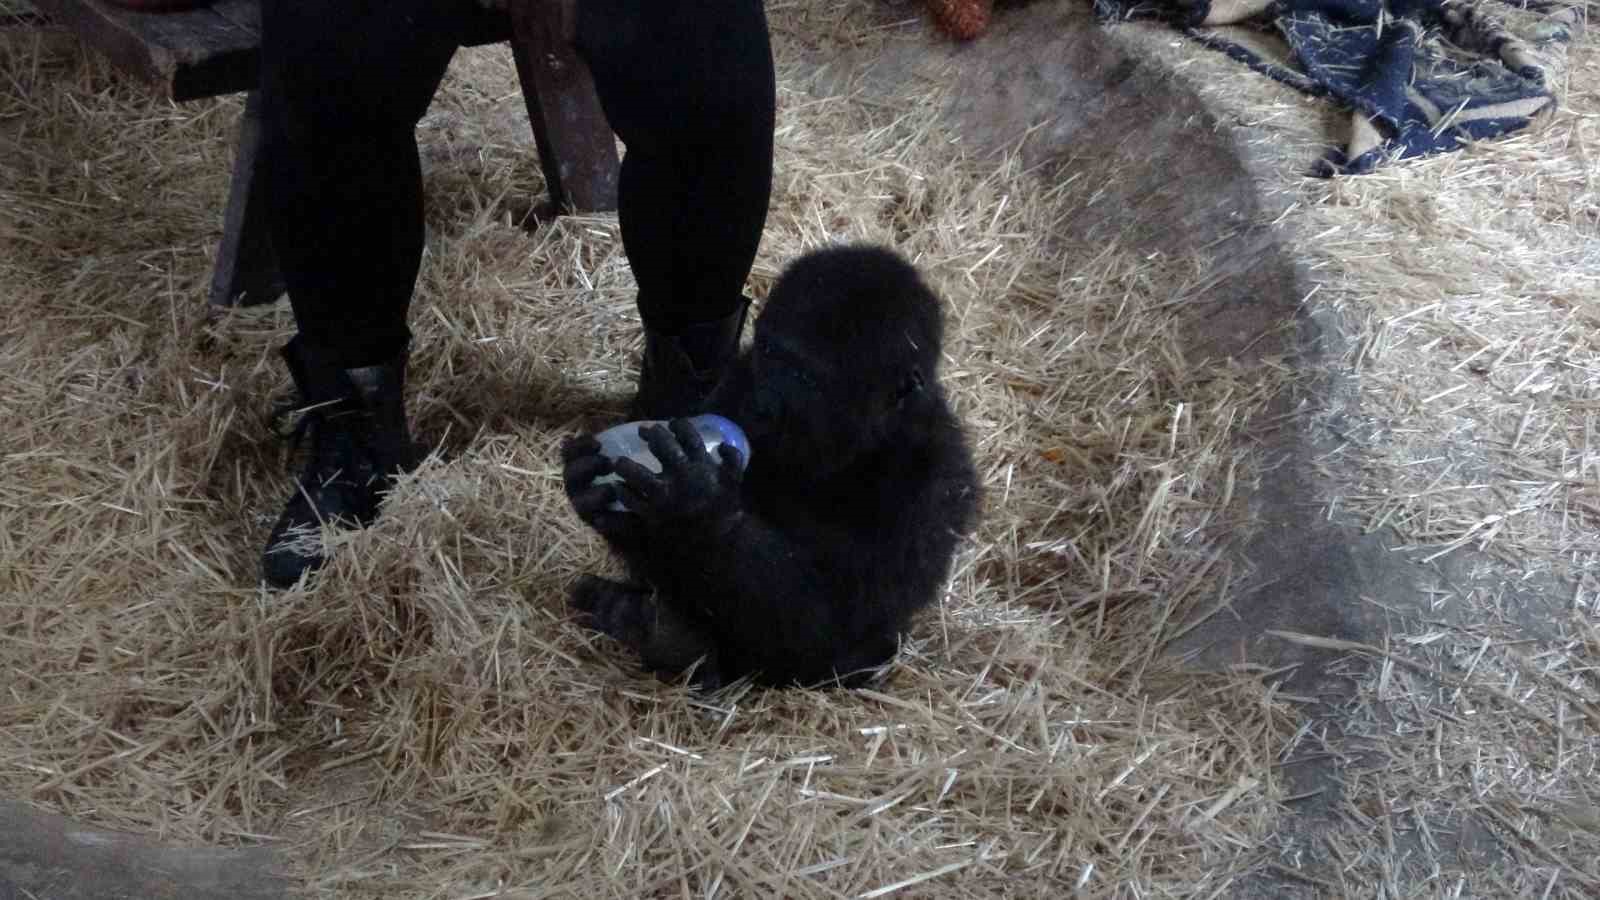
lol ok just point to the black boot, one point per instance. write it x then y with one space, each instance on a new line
679 370
355 419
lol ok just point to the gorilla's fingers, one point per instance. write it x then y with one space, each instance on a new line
637 478
632 499
593 506
581 471
732 463
665 445
689 440
575 448
593 498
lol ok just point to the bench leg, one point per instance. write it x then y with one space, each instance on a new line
246 272
577 149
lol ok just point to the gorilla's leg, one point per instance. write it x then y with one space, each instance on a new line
667 641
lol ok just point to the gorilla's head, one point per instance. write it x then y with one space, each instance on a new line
845 358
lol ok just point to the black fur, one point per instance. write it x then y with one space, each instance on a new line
806 570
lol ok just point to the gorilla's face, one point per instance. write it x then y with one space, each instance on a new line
811 413
843 349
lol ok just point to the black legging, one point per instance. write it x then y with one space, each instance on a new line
686 84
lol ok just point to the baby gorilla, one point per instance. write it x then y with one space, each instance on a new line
805 568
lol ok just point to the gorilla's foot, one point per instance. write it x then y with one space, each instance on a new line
355 420
612 608
667 641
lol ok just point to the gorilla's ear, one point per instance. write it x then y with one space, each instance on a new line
910 386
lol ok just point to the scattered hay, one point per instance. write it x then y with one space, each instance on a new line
426 721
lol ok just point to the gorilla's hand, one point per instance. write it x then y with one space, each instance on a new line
693 490
582 462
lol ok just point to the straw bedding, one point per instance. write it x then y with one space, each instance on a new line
1467 286
426 721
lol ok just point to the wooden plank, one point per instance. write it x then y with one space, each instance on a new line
246 272
45 855
577 148
243 14
183 55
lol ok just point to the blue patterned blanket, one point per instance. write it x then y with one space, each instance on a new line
1419 76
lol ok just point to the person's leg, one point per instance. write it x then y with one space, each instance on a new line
343 85
689 88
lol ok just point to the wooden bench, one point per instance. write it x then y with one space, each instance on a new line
215 50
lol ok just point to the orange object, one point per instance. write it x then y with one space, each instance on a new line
961 19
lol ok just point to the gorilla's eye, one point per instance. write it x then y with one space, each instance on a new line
911 384
779 362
